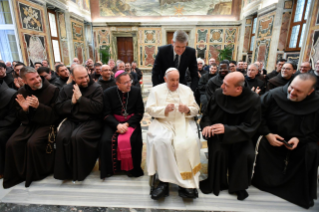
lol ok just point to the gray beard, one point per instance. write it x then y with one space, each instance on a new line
39 87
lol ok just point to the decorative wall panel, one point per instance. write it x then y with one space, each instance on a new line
202 35
262 50
311 50
149 36
65 52
63 39
230 35
284 31
79 51
218 38
30 17
246 38
62 26
149 39
315 47
32 31
149 55
265 26
78 32
35 46
102 38
78 40
262 42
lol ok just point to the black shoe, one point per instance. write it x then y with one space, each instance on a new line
241 195
161 191
190 193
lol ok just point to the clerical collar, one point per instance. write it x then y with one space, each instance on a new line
122 91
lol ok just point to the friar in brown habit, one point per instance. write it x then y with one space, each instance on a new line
8 119
81 103
27 158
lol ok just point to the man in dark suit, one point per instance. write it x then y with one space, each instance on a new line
177 55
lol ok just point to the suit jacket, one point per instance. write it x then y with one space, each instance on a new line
165 60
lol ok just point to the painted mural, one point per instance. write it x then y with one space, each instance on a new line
78 40
262 50
35 46
164 7
312 38
265 27
315 47
246 39
32 31
62 25
263 37
30 17
284 31
77 31
79 51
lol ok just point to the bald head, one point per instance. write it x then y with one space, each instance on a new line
80 76
172 78
301 87
233 84
106 72
78 69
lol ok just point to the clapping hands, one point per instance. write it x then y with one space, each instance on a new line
76 94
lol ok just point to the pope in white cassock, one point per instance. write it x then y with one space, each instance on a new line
172 141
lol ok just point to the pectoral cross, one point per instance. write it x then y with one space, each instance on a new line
125 114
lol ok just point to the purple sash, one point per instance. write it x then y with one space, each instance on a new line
124 145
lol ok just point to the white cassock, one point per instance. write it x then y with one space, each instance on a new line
172 141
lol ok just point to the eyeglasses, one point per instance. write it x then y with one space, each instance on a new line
231 66
128 82
286 69
199 63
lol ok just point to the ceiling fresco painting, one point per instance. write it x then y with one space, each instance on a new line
109 8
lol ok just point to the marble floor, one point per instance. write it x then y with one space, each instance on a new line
121 193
